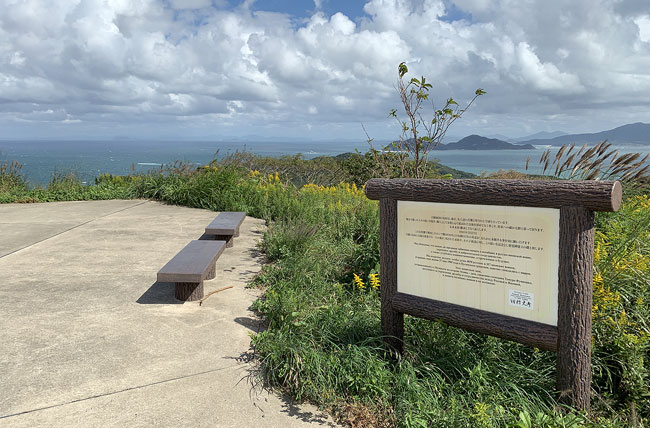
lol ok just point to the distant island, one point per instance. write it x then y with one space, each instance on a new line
477 142
473 142
632 134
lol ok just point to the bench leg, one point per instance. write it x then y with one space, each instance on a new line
227 238
189 291
212 272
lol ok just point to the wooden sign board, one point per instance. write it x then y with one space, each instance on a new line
493 258
509 258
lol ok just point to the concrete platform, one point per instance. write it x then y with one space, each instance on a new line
89 339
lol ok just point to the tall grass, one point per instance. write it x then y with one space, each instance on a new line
599 162
12 182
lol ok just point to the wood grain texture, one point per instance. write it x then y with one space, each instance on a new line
593 195
188 291
530 333
212 272
392 321
574 306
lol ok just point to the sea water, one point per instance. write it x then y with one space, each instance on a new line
88 159
42 159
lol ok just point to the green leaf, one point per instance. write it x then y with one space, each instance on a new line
480 91
524 420
402 69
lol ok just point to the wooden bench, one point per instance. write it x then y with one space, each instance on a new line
225 227
193 264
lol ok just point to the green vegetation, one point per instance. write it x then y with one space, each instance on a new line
418 136
351 168
62 187
323 339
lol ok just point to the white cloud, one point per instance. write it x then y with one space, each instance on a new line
147 61
643 22
545 76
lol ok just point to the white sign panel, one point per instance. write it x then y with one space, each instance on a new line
496 258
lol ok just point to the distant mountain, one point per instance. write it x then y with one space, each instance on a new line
634 133
498 137
472 142
476 142
540 136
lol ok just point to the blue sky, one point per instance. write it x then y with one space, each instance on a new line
316 70
305 8
352 9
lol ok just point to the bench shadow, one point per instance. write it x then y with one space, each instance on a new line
160 293
253 324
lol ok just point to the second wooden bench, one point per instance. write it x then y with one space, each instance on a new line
225 227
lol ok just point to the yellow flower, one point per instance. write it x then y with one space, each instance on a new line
358 281
598 278
374 281
621 265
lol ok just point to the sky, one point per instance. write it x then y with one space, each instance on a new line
316 70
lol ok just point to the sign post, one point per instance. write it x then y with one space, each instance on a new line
508 258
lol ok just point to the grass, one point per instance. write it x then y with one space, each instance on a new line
324 338
323 342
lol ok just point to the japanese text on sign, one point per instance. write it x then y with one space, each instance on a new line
495 258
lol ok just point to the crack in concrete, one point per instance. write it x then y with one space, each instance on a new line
72 228
106 394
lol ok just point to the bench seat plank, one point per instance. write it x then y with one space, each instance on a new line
226 223
225 226
193 263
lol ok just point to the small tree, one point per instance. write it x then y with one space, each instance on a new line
420 136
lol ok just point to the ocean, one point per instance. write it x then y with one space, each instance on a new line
88 159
